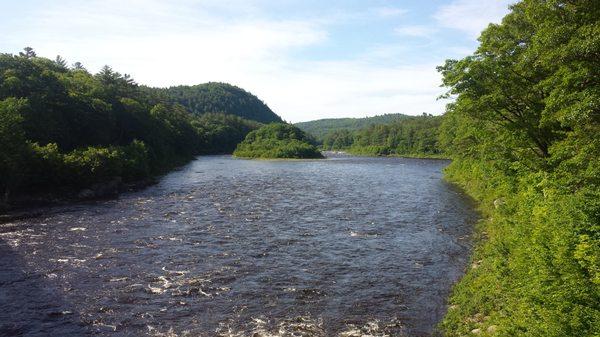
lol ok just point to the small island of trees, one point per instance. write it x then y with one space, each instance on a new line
277 140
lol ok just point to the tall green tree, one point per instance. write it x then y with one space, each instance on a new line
14 148
61 62
523 131
64 129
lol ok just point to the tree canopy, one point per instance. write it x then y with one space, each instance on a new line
64 128
277 140
219 97
409 136
523 131
321 127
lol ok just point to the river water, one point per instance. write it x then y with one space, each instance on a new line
345 246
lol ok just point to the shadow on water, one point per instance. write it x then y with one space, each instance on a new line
345 247
30 304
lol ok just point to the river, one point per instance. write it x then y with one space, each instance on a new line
346 246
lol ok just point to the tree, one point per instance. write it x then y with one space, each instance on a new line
220 97
63 129
78 66
27 52
60 62
277 140
13 149
523 129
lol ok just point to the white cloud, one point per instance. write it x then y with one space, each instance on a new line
165 45
351 89
415 31
472 16
161 44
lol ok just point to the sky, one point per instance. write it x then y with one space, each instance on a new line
306 59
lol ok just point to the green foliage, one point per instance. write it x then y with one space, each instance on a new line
49 168
410 136
322 127
64 128
219 97
13 147
221 132
523 133
94 164
277 140
338 140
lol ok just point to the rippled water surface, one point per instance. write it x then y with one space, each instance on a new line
345 246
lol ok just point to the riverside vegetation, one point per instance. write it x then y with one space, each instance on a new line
277 140
409 136
63 129
522 131
524 136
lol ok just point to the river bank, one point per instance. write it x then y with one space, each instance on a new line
23 204
412 156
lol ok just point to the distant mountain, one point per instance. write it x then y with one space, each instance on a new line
220 97
319 128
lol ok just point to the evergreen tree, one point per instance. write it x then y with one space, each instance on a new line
27 52
61 62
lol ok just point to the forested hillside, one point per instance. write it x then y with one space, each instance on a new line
277 140
410 136
524 134
218 97
320 128
63 128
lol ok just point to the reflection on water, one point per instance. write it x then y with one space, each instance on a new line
345 246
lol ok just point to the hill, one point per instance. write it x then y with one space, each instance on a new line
63 129
414 136
319 128
219 97
277 140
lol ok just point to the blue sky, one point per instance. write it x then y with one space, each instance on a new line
306 59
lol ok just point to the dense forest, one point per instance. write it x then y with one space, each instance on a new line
218 97
277 140
320 128
524 134
409 136
63 128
